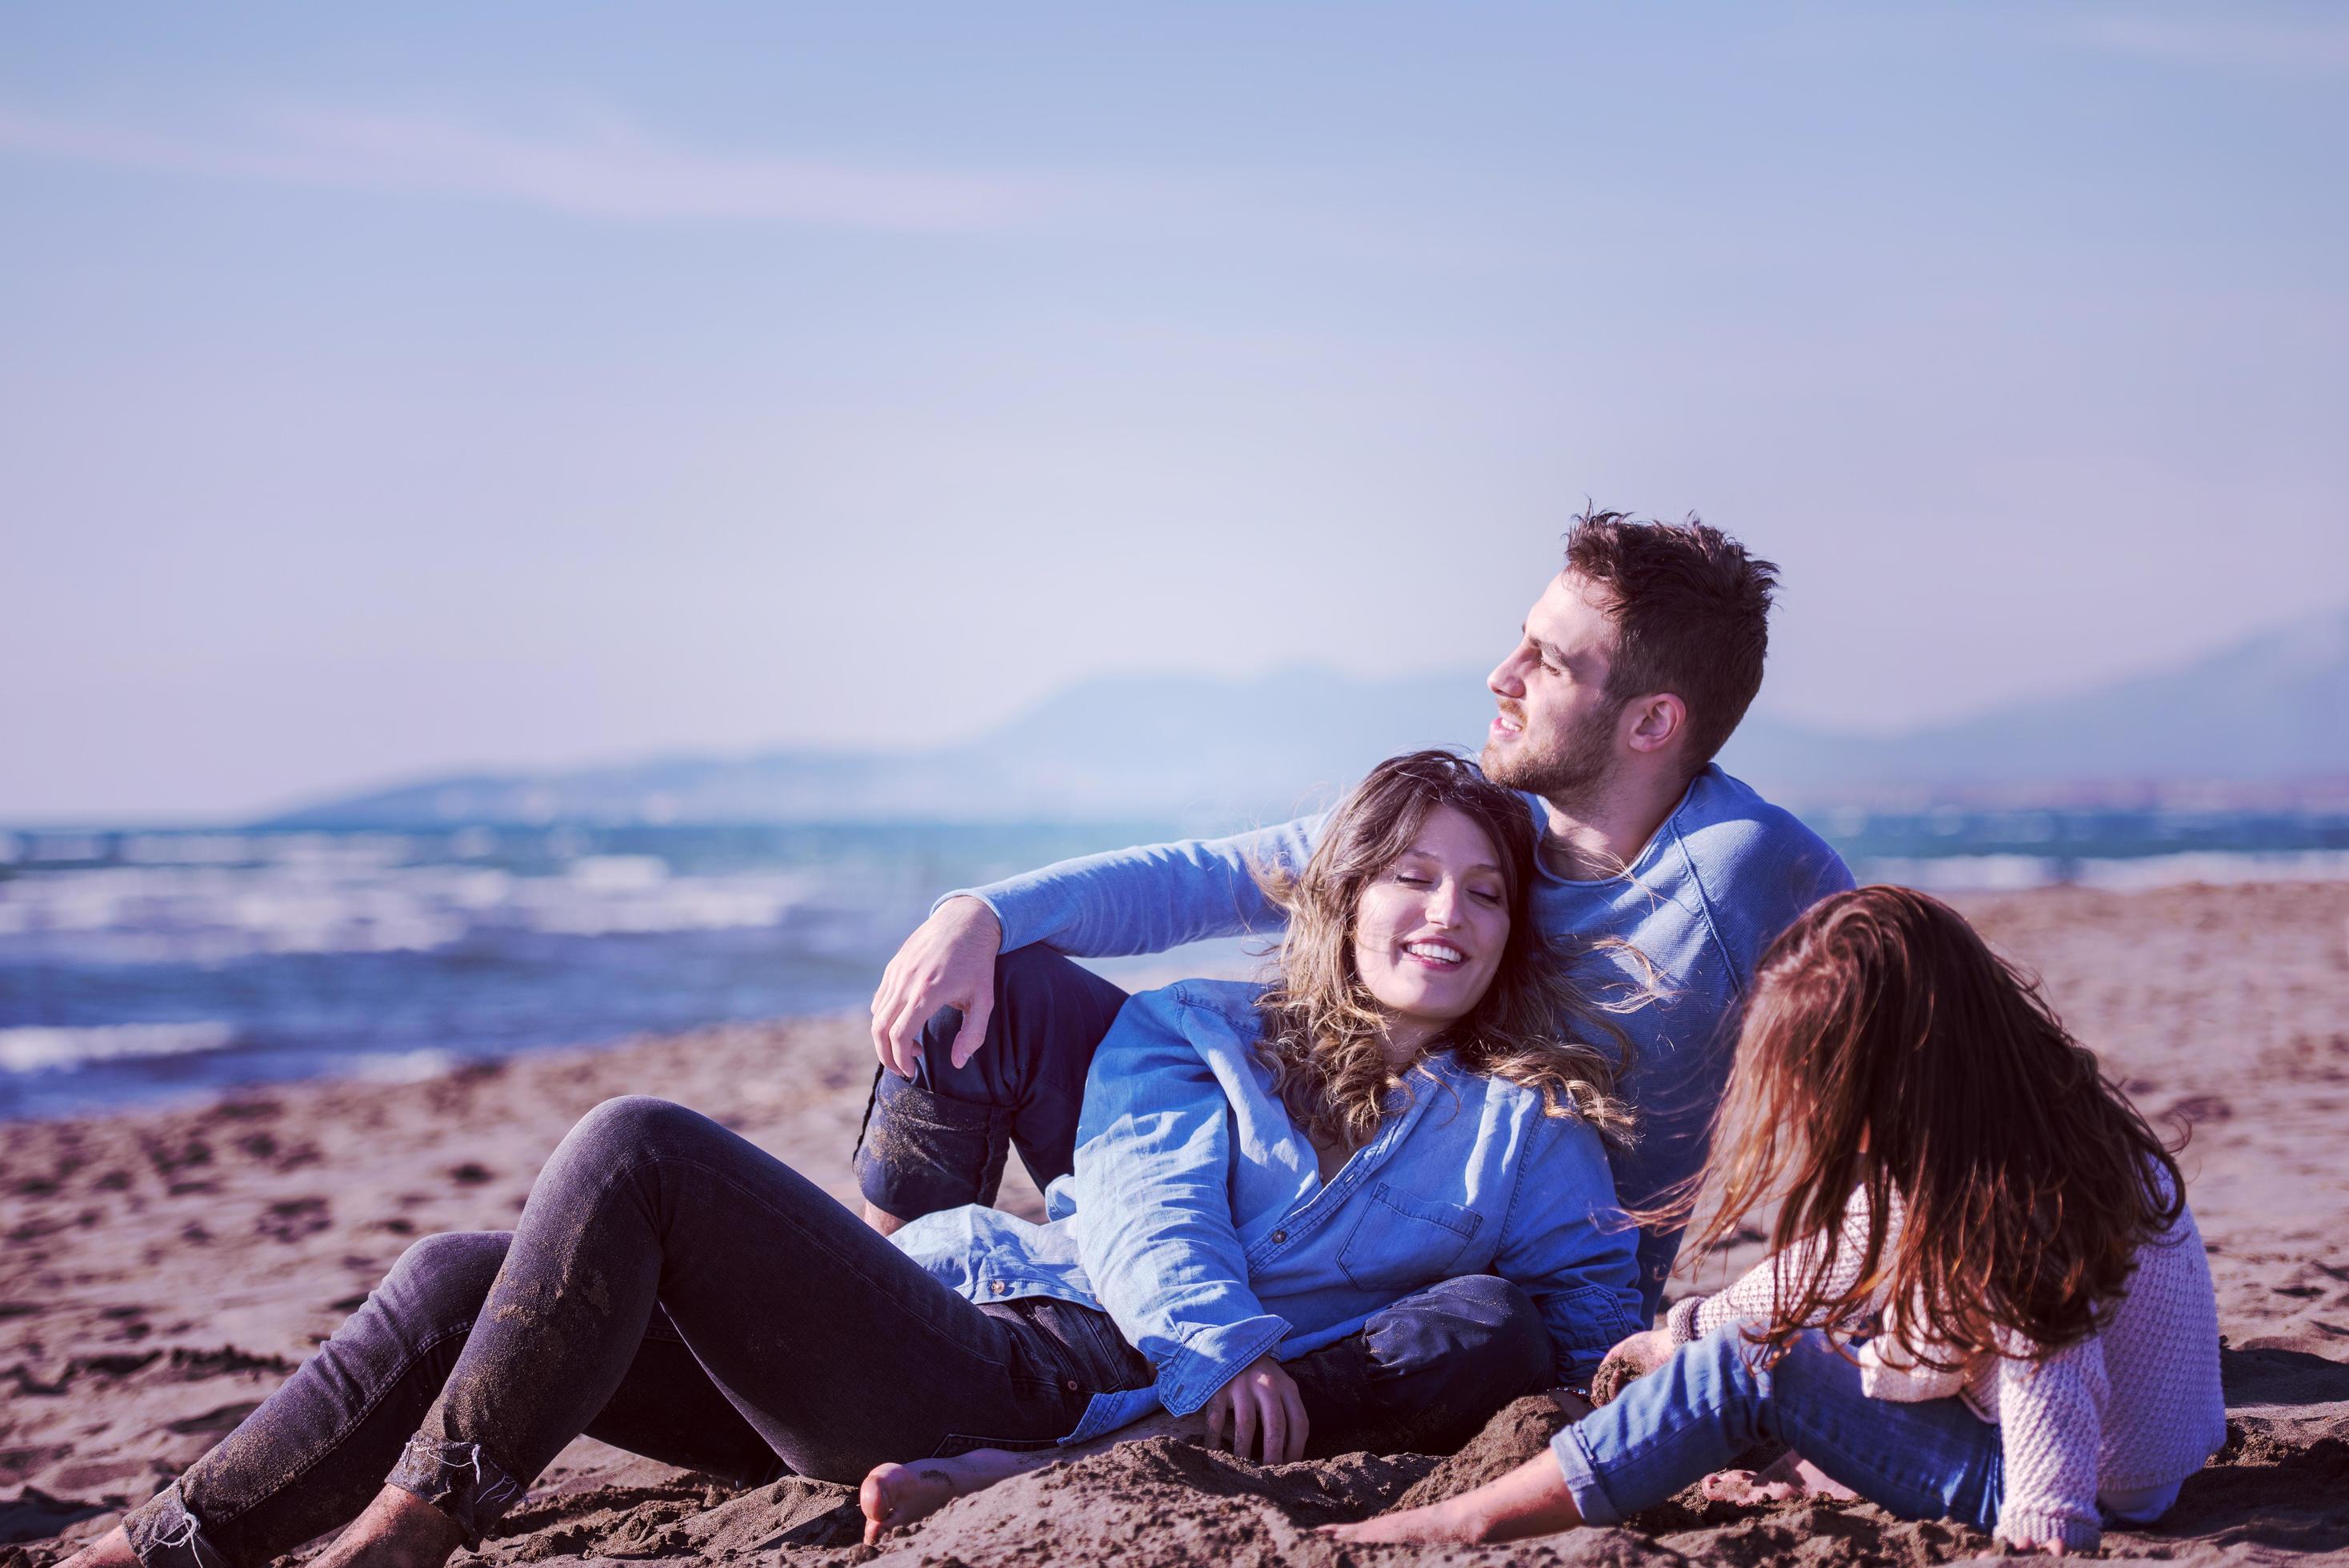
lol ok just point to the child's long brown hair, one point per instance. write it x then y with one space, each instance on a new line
1888 1050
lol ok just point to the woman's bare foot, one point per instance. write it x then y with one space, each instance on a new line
1788 1476
894 1496
399 1530
111 1549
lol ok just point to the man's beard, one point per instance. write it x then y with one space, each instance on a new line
1571 771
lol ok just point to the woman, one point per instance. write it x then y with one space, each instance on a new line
1290 1208
1951 1164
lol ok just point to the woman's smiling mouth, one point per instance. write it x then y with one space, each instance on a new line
1435 954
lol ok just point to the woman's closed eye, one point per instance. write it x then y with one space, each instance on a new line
1482 894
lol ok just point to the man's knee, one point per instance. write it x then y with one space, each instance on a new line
1480 1336
941 1141
1027 979
1034 972
1049 1012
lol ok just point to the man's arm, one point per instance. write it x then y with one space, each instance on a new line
1143 899
1149 898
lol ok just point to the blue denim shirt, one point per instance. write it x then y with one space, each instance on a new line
1719 880
1196 1216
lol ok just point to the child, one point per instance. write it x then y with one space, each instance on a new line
1955 1170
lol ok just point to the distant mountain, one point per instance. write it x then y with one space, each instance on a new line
1196 749
1188 748
2271 708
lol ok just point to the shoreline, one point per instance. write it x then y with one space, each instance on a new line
166 1267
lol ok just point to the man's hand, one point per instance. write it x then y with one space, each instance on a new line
948 961
1263 1401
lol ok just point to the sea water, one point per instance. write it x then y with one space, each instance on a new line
142 966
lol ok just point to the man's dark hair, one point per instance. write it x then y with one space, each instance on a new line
1692 613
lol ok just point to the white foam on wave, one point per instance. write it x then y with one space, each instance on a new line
404 1067
32 1049
203 911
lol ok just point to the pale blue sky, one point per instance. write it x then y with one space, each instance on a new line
454 387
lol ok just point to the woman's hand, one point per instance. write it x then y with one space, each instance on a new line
1262 1401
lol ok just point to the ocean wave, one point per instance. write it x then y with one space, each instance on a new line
201 911
404 1067
32 1049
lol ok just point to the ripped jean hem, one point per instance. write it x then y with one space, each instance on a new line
164 1533
457 1479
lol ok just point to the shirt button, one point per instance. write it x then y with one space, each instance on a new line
999 1287
1072 1385
1280 1235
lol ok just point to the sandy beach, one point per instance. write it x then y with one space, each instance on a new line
165 1269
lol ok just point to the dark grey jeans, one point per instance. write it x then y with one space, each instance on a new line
672 1289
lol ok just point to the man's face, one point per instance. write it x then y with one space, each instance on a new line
1555 733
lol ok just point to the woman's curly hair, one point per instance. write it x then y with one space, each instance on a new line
1324 1032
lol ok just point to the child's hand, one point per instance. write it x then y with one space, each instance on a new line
1646 1351
1635 1358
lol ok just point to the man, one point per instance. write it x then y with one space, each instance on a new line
1633 668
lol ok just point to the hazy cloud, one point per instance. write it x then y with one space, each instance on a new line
610 171
2235 41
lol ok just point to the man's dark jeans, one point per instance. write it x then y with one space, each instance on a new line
938 1142
674 1289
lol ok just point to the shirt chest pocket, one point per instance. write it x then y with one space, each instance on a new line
1401 1241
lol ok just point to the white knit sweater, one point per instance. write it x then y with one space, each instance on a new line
2134 1406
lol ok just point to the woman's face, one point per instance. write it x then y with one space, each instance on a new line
1430 927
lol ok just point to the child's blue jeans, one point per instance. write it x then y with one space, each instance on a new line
1714 1400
